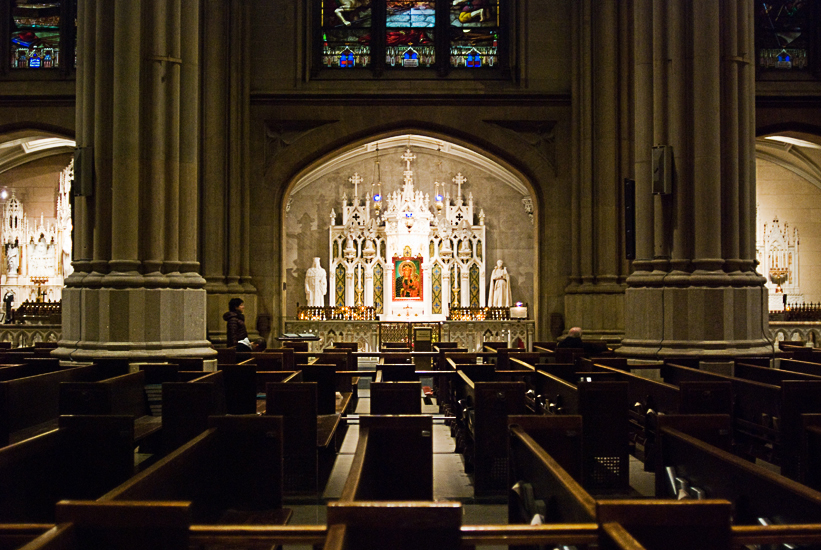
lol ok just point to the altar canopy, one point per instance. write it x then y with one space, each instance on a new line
407 256
36 253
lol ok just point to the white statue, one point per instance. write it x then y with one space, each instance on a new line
13 260
499 293
316 284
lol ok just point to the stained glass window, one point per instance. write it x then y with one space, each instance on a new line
378 288
346 33
436 288
474 285
339 286
474 33
783 34
35 35
411 34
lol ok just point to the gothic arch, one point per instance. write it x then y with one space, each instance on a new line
430 143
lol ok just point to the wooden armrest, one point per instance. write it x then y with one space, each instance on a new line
326 425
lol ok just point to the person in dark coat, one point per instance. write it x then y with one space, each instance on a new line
573 339
235 319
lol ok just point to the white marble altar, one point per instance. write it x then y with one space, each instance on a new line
396 252
36 253
777 250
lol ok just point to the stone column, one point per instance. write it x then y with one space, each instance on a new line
226 162
705 297
594 298
120 302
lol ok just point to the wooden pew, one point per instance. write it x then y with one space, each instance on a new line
540 484
767 375
187 407
481 407
120 395
81 459
396 372
396 397
666 525
393 460
603 405
31 405
810 474
231 473
756 492
395 525
22 370
651 398
311 440
795 365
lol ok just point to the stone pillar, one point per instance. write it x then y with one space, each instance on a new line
594 298
226 162
120 300
703 295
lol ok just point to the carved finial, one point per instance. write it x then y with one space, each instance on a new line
408 157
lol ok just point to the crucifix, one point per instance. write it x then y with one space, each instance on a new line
356 179
459 180
407 311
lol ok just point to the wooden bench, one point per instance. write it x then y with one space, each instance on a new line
31 405
651 398
311 440
120 395
393 460
766 417
231 473
603 405
22 370
757 493
187 407
396 397
81 459
481 408
541 484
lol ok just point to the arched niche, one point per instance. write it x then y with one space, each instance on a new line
504 197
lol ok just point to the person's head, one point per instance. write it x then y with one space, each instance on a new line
259 344
236 304
575 332
499 263
407 270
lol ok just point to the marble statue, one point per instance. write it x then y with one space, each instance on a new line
13 260
499 293
316 284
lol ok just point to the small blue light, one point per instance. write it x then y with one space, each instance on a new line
439 198
408 214
377 198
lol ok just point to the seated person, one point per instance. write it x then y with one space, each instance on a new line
259 344
573 339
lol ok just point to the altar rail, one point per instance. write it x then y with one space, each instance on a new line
336 313
798 312
370 334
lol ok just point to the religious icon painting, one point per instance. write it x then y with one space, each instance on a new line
407 278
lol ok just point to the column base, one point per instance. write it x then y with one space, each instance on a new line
135 323
697 320
598 309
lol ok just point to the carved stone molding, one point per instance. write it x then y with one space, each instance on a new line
280 134
538 134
